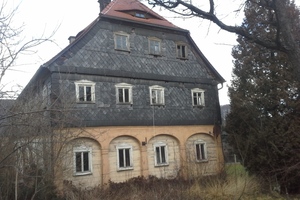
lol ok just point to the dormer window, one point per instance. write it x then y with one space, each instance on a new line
140 15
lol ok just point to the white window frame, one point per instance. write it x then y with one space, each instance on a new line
200 151
154 46
85 84
124 147
200 98
82 149
159 146
181 53
124 38
123 86
157 95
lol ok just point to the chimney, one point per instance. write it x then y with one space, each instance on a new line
103 4
71 39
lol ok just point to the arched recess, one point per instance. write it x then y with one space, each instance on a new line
124 158
163 156
82 162
201 155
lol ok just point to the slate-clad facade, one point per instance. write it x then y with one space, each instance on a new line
94 58
144 93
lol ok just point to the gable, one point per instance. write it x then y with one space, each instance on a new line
94 48
97 50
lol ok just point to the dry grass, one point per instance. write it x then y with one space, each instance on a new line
235 184
228 188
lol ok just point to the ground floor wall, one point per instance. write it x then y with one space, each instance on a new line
98 155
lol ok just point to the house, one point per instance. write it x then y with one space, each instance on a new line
144 98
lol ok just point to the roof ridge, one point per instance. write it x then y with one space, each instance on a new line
108 7
117 9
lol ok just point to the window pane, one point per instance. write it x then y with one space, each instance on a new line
78 162
154 47
153 95
195 98
202 152
121 158
183 51
198 153
127 156
159 96
163 154
86 161
120 95
126 93
199 98
88 93
81 93
178 51
121 42
124 46
118 42
158 160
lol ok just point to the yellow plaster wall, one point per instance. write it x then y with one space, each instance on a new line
177 138
168 171
117 175
85 181
206 167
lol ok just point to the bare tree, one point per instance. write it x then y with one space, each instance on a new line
31 133
284 40
13 44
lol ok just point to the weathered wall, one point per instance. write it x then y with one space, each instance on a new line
89 180
179 139
171 170
178 108
117 175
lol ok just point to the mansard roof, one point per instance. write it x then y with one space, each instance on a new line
133 10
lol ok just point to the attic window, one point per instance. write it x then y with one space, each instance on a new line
121 41
140 15
154 46
181 51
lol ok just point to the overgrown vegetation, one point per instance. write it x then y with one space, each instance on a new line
235 183
264 119
263 124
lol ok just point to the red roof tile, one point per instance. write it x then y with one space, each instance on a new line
125 8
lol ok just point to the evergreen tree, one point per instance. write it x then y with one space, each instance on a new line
264 122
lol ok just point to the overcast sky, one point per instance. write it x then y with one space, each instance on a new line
68 17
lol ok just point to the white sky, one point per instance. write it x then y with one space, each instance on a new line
71 16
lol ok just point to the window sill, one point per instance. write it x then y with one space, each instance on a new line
125 169
202 161
130 103
124 50
83 173
155 55
85 102
198 106
161 165
182 58
157 104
